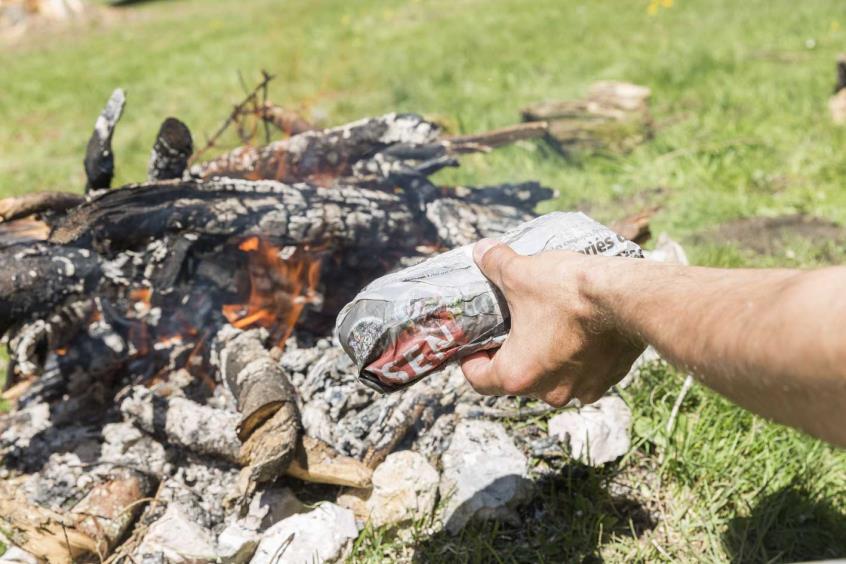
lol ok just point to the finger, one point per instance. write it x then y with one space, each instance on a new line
478 369
493 259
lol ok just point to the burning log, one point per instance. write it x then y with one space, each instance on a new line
99 159
376 153
287 121
168 305
320 157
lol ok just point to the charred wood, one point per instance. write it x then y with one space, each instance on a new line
99 158
171 151
41 276
321 156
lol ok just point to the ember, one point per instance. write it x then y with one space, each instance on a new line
169 347
282 282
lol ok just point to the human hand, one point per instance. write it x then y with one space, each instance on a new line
561 346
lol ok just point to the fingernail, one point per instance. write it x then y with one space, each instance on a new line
483 246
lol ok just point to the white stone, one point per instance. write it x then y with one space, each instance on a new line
237 543
405 488
484 475
324 534
596 433
667 250
15 555
178 539
239 540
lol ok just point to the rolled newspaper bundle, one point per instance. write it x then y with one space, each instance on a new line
409 323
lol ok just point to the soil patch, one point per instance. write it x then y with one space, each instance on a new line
773 235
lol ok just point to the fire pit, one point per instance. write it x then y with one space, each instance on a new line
171 364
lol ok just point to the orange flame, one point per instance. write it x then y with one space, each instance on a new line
282 282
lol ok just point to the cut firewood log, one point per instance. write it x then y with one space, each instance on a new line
613 117
315 461
258 383
270 421
87 532
496 137
47 534
171 151
99 158
108 511
206 430
37 202
635 227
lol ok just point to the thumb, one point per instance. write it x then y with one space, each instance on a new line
493 259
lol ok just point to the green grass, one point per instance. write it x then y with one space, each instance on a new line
739 97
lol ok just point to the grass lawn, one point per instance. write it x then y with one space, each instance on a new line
739 97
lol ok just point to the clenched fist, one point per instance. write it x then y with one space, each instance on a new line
561 346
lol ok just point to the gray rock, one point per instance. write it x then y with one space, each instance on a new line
484 475
596 433
177 539
324 534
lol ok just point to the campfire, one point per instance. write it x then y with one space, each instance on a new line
171 363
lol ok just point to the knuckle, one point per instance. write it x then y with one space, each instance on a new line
516 386
558 397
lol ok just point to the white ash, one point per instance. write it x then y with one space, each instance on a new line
200 488
61 483
436 440
21 426
125 445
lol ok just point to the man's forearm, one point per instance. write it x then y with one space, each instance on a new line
769 340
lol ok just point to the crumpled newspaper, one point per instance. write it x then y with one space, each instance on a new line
409 323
